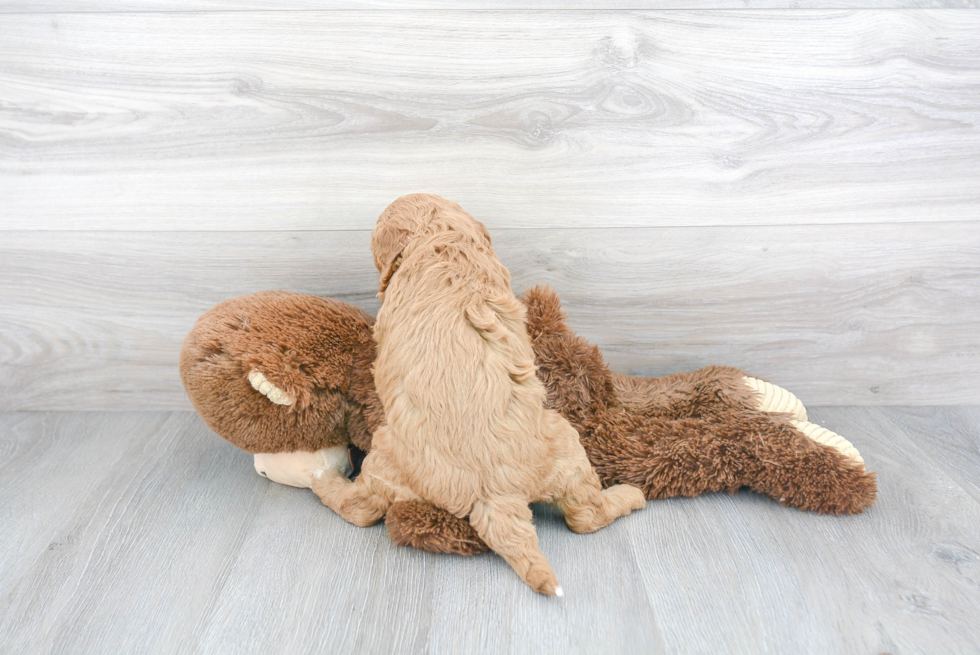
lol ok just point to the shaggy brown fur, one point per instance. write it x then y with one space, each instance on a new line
318 350
466 427
426 527
687 433
683 434
680 435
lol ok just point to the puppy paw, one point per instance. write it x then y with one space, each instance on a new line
269 390
324 483
635 497
626 497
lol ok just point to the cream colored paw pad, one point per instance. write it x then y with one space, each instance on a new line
824 436
269 390
775 399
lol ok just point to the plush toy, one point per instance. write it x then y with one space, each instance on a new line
287 377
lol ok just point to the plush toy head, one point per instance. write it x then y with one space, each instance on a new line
317 354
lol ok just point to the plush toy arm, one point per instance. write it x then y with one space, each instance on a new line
420 525
743 431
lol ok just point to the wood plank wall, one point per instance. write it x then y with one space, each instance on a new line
792 191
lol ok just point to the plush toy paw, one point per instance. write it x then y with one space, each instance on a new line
824 436
776 399
269 390
296 469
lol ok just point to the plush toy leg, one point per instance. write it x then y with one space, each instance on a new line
424 526
808 467
824 436
728 451
776 399
296 469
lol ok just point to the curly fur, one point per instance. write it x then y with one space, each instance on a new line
680 435
683 434
466 425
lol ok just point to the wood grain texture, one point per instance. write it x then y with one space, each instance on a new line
143 555
316 120
334 588
35 6
953 440
182 548
860 314
51 463
878 582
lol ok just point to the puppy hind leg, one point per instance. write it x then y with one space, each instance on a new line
576 488
505 525
586 505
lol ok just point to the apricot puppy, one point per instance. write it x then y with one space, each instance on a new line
466 425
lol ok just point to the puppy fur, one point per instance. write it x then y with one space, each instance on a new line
466 425
683 434
680 435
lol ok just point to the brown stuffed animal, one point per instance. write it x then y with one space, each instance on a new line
287 377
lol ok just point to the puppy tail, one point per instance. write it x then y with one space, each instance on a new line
487 322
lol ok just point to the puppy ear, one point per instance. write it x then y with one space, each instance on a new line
388 271
485 233
387 243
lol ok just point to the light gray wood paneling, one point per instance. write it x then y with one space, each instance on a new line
28 6
182 548
314 120
858 314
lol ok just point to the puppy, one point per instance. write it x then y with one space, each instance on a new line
466 427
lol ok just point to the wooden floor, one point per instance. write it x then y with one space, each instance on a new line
142 532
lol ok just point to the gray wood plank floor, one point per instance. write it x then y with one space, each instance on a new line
143 532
